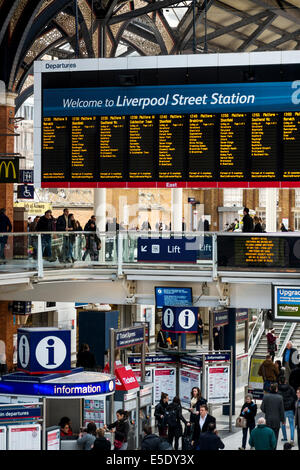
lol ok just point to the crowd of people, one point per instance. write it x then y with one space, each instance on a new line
250 224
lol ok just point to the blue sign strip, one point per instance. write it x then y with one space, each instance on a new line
181 250
204 98
19 413
129 337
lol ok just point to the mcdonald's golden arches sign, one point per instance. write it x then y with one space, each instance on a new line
9 171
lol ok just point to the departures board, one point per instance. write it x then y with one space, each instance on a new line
95 133
229 147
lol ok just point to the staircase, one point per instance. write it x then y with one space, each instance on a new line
295 338
261 348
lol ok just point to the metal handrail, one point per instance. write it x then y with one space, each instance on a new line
288 335
256 334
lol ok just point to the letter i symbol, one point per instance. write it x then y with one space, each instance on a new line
24 350
51 362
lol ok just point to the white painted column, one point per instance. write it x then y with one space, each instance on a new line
65 318
100 208
176 208
271 209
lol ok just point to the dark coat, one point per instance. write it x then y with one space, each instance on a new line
209 441
151 442
62 224
44 224
247 223
5 224
86 359
272 406
122 427
100 444
258 228
289 397
177 429
197 430
294 379
250 414
160 410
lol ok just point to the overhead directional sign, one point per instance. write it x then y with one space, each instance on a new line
182 250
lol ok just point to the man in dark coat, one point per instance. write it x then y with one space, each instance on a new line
45 224
5 227
294 379
247 221
150 441
201 424
159 413
272 406
210 440
63 224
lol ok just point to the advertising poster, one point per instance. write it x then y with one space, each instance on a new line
2 438
164 381
255 382
187 380
218 384
94 411
24 437
286 303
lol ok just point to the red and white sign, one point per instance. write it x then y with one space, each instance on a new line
125 378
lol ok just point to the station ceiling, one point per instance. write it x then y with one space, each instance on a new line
32 30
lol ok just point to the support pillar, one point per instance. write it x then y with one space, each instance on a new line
100 208
230 341
176 220
271 210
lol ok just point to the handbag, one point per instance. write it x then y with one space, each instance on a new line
241 422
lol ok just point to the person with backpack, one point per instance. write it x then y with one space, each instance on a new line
289 399
173 418
159 413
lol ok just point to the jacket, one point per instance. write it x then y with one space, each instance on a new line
258 228
86 359
289 397
44 224
294 379
62 223
101 443
122 427
86 441
292 364
250 413
268 370
151 442
272 406
262 438
209 441
177 410
159 411
247 223
197 430
5 224
297 413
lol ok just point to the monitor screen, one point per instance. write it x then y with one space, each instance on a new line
173 296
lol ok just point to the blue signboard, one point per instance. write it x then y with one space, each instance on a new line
129 337
173 296
27 176
180 319
241 314
20 413
153 359
24 191
171 99
286 303
44 350
181 250
221 317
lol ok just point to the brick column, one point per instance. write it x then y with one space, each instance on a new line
7 111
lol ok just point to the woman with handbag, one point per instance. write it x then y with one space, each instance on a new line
248 412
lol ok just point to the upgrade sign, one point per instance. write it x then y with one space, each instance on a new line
286 303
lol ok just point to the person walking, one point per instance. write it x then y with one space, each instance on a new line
87 437
93 243
272 406
297 416
269 372
289 399
262 437
63 224
45 224
271 343
210 439
5 227
294 379
121 426
202 423
281 370
248 411
289 359
247 221
159 413
173 418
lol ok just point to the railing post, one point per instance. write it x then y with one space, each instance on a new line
40 257
215 256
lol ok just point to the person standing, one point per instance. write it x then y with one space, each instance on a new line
289 399
199 330
271 343
248 411
202 424
257 225
272 406
87 437
262 437
210 440
297 416
85 358
101 443
159 413
196 401
294 379
45 224
63 225
5 227
93 242
121 426
289 359
247 221
216 338
269 372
